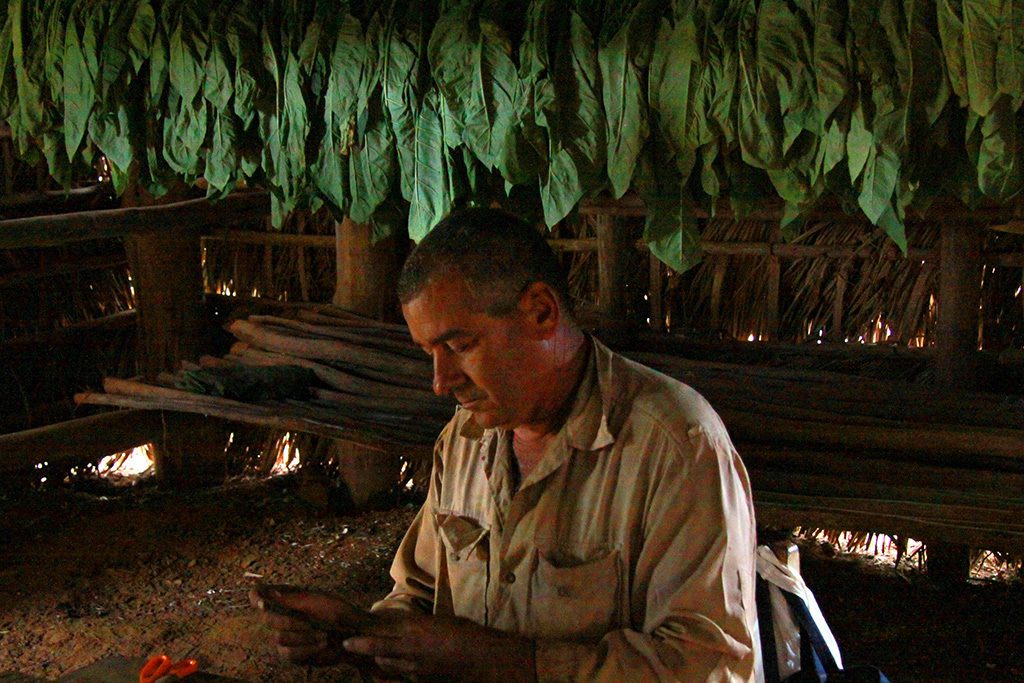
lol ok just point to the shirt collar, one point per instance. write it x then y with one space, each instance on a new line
586 428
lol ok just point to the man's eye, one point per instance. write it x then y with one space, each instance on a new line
460 346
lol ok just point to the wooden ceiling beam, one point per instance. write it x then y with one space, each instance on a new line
938 210
199 214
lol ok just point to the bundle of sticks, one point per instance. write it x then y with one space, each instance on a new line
374 383
818 444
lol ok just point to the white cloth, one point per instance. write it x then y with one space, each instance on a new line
787 631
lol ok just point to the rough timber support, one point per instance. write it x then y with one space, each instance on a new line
956 352
612 251
366 279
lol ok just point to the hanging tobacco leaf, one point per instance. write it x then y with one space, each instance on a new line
624 56
463 101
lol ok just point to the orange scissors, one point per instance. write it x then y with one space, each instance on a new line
160 667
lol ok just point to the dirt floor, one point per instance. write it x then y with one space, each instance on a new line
84 575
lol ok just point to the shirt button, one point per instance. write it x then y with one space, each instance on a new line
509 577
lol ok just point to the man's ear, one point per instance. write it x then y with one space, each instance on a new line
541 309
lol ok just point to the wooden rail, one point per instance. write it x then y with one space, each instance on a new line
198 214
84 439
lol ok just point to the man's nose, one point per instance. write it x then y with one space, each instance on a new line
447 375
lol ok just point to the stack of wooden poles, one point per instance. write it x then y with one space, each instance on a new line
824 449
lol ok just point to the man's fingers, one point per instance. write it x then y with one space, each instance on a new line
300 654
300 639
285 622
379 647
391 665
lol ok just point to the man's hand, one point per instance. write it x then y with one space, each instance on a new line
308 627
450 648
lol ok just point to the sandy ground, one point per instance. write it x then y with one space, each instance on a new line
83 576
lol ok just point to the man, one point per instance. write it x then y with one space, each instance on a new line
587 519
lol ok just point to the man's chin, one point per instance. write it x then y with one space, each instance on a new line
485 419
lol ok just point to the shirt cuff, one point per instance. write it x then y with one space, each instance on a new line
401 603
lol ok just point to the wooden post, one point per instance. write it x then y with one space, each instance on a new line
612 245
956 353
367 271
166 270
956 330
367 275
774 285
168 281
839 303
717 280
7 155
79 440
657 293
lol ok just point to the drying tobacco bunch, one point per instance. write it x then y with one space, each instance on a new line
394 111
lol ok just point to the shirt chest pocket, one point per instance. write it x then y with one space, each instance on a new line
466 557
576 599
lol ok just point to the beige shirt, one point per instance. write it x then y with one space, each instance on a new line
628 551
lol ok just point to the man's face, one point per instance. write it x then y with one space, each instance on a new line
486 363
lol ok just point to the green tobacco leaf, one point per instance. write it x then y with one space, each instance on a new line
576 157
244 44
8 81
188 48
222 161
52 146
881 173
79 92
675 76
671 233
930 90
1001 154
111 132
951 32
623 61
114 55
140 35
28 120
219 83
53 68
432 189
184 133
159 58
371 170
402 57
784 66
721 65
893 225
981 31
471 61
830 59
759 129
1010 52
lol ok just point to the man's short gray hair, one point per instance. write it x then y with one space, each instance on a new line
496 253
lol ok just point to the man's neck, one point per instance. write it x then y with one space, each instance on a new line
531 440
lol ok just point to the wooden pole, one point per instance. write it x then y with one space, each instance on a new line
366 279
167 278
717 281
367 271
54 230
839 303
657 293
612 246
956 353
774 286
84 439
